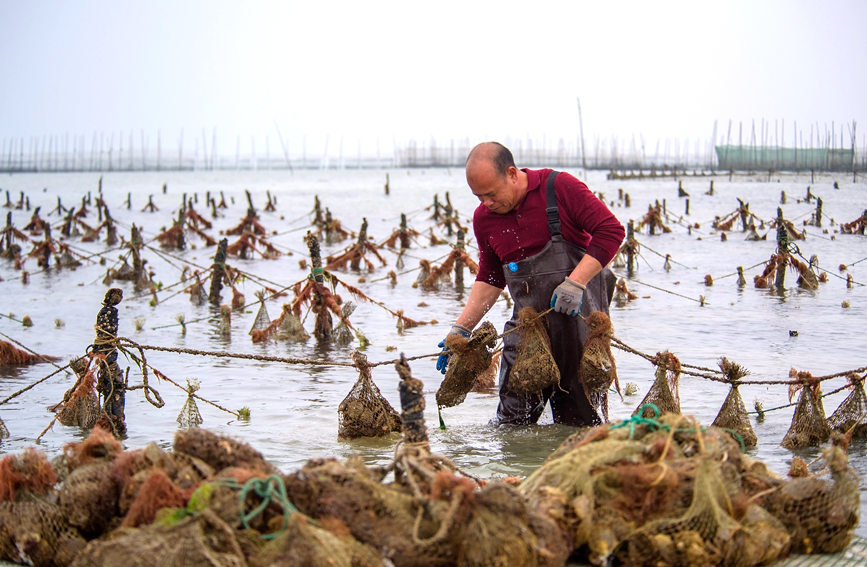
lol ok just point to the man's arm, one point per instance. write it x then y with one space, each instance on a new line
586 269
482 298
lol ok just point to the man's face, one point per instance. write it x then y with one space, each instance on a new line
497 192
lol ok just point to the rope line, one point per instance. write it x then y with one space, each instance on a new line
671 292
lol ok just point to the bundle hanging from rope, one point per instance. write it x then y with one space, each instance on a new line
850 417
598 370
809 426
535 368
189 415
733 413
664 392
364 412
80 405
468 359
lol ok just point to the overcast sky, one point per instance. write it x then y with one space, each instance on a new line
364 71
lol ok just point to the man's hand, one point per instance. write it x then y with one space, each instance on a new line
567 297
443 359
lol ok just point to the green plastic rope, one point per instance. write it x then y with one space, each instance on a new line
654 425
638 419
270 490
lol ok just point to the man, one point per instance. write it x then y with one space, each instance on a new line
548 238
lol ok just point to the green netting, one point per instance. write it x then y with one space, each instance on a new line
774 157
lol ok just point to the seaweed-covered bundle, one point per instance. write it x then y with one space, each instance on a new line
598 370
80 404
203 540
364 412
809 426
851 415
733 413
663 393
820 515
535 368
468 359
662 490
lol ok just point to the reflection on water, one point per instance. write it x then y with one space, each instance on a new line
294 407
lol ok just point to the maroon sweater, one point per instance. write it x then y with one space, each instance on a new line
523 231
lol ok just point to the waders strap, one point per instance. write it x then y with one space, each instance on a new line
551 202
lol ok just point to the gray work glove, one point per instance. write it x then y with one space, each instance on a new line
443 358
567 297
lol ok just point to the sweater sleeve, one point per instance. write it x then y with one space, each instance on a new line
490 266
588 214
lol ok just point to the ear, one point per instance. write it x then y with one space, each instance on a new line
512 173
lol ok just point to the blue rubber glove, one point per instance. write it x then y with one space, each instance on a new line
443 359
568 297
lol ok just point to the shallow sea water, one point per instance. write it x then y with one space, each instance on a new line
294 407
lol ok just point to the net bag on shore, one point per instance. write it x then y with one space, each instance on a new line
364 412
503 530
304 543
26 476
809 427
851 414
652 491
733 413
36 533
203 540
469 357
535 368
219 451
820 514
707 533
383 516
663 393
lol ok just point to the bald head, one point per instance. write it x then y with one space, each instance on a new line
494 178
492 154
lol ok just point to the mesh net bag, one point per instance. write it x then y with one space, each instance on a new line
364 412
385 516
189 415
598 370
302 544
36 533
80 403
203 540
262 320
218 451
733 413
535 368
502 530
706 534
851 414
25 476
290 327
468 359
809 426
663 392
89 498
343 334
819 513
660 491
733 416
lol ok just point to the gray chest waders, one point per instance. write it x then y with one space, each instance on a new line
531 283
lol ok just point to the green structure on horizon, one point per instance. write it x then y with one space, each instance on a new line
761 158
